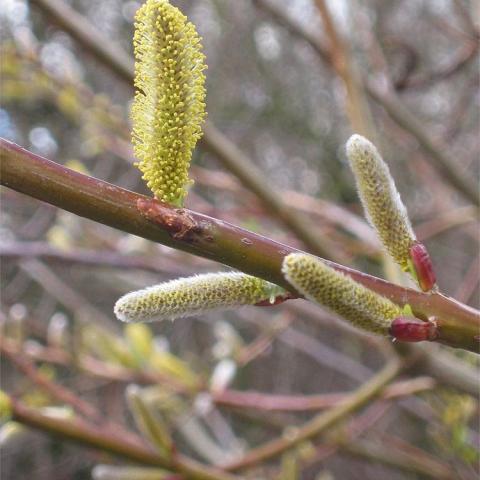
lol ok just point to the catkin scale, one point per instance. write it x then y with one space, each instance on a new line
169 107
185 297
409 329
341 294
422 266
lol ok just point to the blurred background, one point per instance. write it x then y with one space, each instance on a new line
287 83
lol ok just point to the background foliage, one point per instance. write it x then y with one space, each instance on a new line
272 95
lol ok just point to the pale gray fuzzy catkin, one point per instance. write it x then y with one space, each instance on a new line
382 203
185 297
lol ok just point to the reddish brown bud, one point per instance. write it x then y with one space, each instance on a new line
411 329
423 266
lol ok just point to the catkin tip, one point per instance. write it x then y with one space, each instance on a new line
121 308
356 142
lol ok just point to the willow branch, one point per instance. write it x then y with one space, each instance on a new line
205 236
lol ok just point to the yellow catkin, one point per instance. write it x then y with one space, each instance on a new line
185 297
322 284
169 107
382 203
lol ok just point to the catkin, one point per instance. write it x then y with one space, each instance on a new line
169 107
185 297
382 203
322 284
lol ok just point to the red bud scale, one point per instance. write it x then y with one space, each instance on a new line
423 266
411 329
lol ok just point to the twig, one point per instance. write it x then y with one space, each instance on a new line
467 14
466 55
323 421
393 106
204 236
62 292
348 438
449 369
444 164
263 341
341 60
94 367
302 403
454 124
446 220
85 433
349 433
93 41
92 258
417 461
55 390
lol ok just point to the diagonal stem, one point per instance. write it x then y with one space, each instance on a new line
205 236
